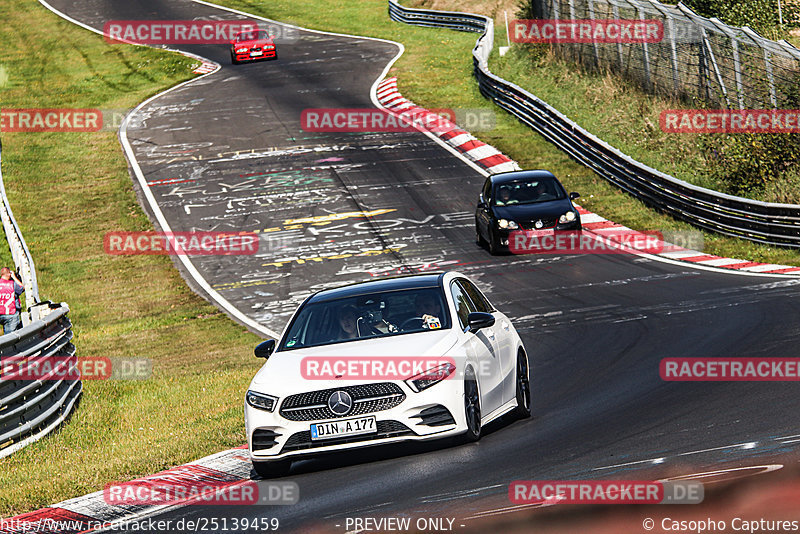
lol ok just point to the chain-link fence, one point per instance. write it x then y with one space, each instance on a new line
697 58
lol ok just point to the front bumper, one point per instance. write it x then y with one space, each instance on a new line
431 414
504 233
245 56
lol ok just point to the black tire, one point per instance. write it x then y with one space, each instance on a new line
478 237
272 469
523 409
494 247
234 61
472 410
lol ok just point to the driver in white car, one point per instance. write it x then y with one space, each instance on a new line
425 306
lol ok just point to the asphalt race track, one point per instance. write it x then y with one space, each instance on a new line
226 152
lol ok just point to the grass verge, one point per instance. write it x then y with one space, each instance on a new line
67 190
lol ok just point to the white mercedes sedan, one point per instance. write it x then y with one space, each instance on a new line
409 358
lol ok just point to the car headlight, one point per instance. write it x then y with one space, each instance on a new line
430 377
269 47
567 217
511 225
241 50
261 401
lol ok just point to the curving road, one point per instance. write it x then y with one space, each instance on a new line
226 152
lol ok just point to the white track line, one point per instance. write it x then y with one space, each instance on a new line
162 221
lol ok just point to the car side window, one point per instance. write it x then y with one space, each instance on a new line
480 301
487 191
464 305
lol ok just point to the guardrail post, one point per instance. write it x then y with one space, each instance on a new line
720 81
594 42
703 89
538 9
770 79
645 57
615 11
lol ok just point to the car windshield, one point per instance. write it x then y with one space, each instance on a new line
251 36
388 313
528 192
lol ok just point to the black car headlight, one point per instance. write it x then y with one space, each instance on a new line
567 217
506 224
430 377
241 50
261 401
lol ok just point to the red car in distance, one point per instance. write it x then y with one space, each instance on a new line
251 45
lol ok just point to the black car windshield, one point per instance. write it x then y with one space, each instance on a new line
528 192
252 36
388 313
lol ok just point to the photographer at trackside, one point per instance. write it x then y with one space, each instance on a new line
10 290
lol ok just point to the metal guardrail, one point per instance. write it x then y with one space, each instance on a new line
19 252
763 222
30 409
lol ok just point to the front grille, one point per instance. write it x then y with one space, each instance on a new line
435 416
386 429
264 439
531 225
256 49
367 398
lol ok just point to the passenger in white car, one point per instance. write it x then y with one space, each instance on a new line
348 322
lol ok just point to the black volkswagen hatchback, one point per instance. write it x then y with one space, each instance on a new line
522 200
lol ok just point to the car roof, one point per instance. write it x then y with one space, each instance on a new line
414 281
505 177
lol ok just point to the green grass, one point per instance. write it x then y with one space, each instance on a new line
67 190
615 110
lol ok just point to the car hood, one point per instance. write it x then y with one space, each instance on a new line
540 210
256 42
281 375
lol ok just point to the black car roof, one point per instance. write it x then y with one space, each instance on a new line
512 176
413 281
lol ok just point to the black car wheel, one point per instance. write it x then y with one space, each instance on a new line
234 61
478 237
494 246
272 469
472 410
523 409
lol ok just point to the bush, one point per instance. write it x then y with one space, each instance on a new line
761 15
751 163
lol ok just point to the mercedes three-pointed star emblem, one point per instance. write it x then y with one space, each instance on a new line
340 403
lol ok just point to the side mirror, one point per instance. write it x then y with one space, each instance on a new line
265 348
574 195
478 320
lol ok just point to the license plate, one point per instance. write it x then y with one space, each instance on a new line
254 54
344 427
